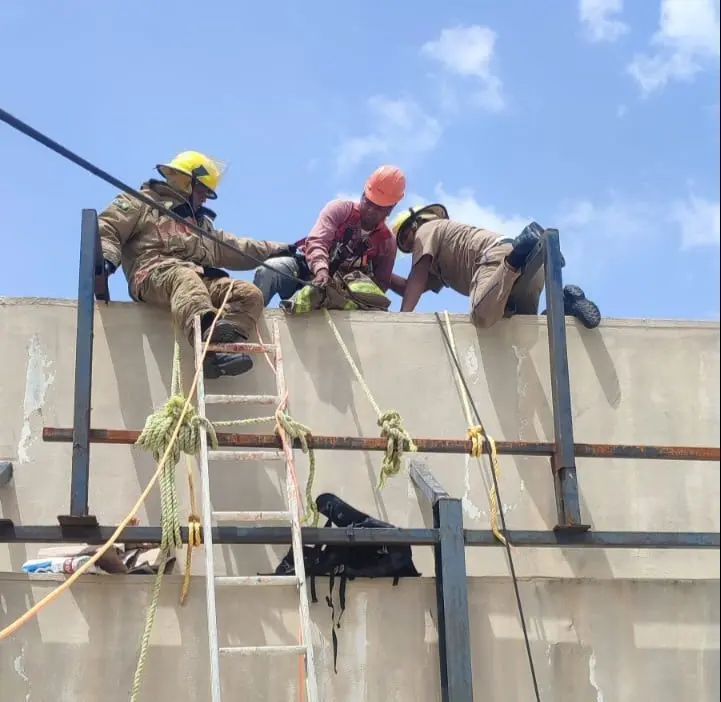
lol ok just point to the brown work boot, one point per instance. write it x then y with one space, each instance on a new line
219 363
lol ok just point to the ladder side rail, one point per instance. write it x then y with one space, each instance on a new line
207 520
297 541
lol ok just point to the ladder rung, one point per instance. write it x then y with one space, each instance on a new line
246 456
252 516
264 580
241 400
243 348
260 650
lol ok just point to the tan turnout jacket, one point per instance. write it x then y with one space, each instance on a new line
143 239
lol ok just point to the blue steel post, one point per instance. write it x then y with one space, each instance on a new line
563 461
89 256
454 629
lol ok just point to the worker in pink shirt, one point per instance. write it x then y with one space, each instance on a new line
347 236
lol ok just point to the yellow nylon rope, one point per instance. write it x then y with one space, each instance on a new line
476 433
389 421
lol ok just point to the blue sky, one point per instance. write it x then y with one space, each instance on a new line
599 117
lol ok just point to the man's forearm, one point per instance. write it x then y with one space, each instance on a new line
416 284
398 284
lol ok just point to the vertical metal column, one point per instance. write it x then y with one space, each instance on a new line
89 255
454 630
563 461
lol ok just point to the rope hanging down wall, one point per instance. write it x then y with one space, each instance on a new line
389 421
491 452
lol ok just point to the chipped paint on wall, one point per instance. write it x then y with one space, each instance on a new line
592 677
19 666
472 364
471 510
38 379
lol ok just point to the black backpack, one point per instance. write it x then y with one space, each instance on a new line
349 562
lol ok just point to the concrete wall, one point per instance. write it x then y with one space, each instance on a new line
591 641
632 381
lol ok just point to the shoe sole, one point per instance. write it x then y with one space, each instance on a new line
242 364
577 305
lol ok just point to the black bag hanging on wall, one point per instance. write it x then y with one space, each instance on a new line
349 562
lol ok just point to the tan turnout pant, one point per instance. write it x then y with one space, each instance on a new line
492 284
186 293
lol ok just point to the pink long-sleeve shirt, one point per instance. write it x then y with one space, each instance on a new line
331 225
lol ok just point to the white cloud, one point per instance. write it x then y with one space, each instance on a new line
699 221
618 220
686 42
468 52
595 236
619 223
465 208
599 18
403 131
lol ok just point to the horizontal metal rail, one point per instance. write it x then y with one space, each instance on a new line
10 533
356 443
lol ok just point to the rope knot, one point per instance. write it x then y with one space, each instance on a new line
160 425
475 434
392 429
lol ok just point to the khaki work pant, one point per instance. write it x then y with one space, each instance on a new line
492 284
187 293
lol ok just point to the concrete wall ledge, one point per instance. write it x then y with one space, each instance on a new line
174 580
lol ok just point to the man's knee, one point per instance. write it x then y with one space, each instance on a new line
274 267
244 297
247 294
279 278
482 318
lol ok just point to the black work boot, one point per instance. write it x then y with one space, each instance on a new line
576 304
219 363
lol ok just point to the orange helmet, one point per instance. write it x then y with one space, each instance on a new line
386 186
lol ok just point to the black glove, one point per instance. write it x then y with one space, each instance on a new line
289 250
110 267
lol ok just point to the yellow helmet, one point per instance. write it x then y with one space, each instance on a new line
194 165
423 211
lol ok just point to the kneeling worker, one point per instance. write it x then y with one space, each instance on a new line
168 265
480 264
346 235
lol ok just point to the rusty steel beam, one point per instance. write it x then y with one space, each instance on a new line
356 443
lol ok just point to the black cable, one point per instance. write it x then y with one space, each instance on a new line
104 175
500 510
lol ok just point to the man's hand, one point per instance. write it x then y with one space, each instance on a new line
321 278
291 250
110 267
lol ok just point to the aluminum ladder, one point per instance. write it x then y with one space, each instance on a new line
292 515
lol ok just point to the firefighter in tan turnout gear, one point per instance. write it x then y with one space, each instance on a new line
497 273
167 265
